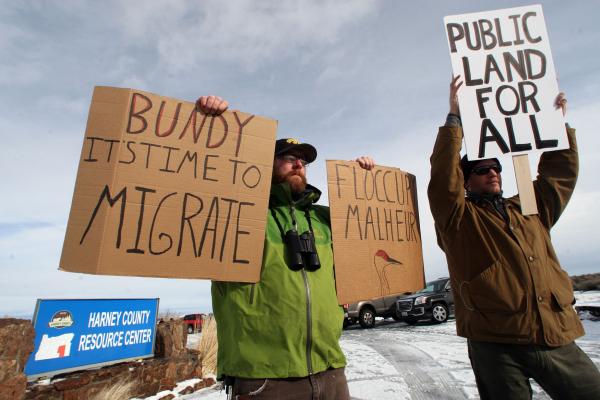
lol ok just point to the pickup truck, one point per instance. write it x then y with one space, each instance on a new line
365 311
193 322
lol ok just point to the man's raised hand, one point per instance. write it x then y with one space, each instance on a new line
454 86
212 105
561 102
366 162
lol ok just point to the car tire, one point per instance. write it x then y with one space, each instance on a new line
439 313
397 318
366 318
411 321
190 329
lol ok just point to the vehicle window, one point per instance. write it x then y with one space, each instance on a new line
430 288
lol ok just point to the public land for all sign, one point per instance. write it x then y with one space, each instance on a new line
376 233
163 190
507 100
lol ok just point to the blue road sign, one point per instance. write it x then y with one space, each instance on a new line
78 334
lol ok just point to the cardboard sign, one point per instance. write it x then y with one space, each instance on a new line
166 191
376 234
507 99
84 333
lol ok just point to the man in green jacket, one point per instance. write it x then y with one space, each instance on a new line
513 300
279 338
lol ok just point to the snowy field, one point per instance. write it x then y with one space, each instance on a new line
425 361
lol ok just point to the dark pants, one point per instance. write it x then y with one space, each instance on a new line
326 385
502 371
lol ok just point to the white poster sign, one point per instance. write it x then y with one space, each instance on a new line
507 99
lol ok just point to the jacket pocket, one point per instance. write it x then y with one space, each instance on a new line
496 290
561 301
565 317
561 289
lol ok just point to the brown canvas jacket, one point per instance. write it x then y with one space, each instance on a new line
508 284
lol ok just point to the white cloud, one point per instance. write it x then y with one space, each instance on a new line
20 74
16 65
39 169
243 32
56 103
12 33
29 262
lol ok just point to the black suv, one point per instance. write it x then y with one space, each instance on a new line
435 302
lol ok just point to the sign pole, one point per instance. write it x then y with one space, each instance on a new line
525 184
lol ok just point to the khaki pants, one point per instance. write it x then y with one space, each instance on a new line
502 371
326 385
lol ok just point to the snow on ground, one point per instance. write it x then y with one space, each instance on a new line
193 340
591 298
368 372
430 359
424 361
180 386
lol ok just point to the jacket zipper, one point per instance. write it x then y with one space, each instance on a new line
308 323
219 288
252 293
308 303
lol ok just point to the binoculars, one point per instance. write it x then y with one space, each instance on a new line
302 251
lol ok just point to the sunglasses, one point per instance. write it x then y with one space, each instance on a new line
292 159
484 170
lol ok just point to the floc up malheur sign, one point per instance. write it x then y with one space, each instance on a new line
84 333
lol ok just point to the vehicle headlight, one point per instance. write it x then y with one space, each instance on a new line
421 300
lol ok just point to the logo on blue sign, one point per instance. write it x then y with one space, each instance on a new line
61 319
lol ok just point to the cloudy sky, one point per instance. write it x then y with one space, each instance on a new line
352 77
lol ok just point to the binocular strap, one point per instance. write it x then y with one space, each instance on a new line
281 231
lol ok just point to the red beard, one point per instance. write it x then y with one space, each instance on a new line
296 180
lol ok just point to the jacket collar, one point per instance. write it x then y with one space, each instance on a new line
492 198
281 194
495 200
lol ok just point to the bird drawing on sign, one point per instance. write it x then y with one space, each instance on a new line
381 267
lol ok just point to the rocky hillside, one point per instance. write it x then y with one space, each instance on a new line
586 282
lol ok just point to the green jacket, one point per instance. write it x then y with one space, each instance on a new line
289 323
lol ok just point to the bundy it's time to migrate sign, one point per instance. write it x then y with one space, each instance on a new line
164 190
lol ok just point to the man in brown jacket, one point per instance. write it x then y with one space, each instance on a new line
514 302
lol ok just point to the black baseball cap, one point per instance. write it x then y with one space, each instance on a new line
467 166
286 145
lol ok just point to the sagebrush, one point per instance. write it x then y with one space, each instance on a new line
119 391
208 346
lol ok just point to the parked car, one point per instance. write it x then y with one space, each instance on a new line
193 322
364 312
435 302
